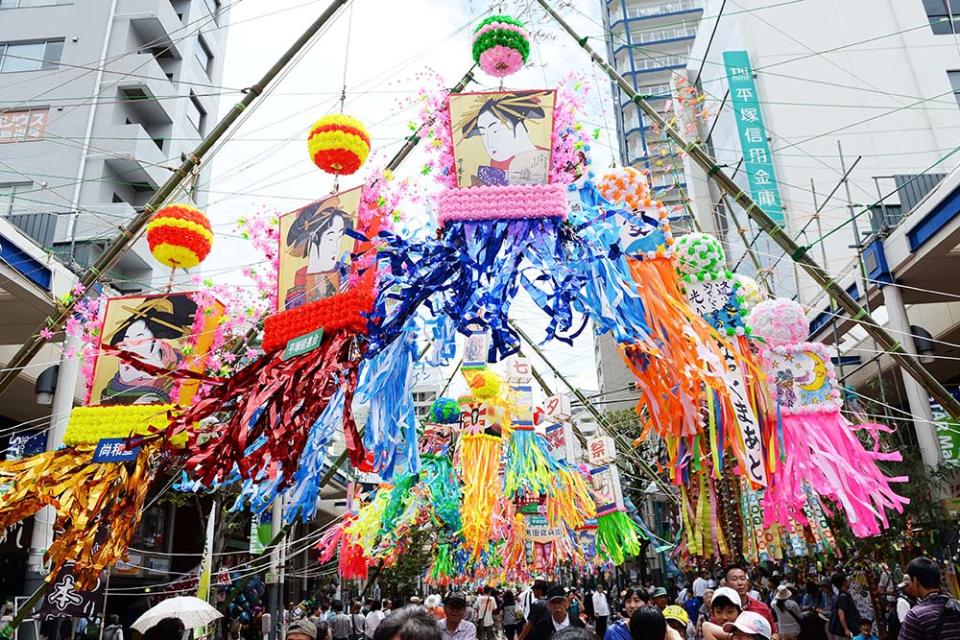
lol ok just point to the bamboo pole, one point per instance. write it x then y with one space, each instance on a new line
796 252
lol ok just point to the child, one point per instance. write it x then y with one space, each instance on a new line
866 630
725 607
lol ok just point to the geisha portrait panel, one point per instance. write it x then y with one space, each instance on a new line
160 331
315 248
502 139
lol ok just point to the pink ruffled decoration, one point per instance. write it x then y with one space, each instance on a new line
822 450
515 202
500 61
779 322
501 26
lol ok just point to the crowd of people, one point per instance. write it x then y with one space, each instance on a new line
723 606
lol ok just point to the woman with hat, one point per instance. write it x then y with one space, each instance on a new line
787 613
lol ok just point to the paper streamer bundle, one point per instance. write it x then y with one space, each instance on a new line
820 447
98 504
479 457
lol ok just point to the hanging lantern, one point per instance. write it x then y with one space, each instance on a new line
501 45
339 144
179 236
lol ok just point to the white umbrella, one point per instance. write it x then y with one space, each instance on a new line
193 612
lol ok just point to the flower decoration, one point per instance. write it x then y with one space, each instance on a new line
700 256
179 236
501 45
625 186
484 383
750 292
339 144
779 321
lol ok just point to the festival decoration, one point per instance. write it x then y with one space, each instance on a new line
819 448
444 411
501 45
179 236
338 144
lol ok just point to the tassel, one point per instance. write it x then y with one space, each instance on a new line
480 470
618 537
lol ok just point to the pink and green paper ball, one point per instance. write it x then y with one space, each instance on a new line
501 45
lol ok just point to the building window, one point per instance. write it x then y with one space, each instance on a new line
203 55
23 124
213 6
8 195
196 114
955 84
30 56
23 4
944 15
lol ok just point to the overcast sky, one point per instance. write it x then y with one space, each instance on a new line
386 45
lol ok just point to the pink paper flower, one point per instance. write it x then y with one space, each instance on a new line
501 61
46 333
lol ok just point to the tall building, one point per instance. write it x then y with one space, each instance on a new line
99 100
648 42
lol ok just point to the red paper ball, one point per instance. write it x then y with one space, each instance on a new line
179 236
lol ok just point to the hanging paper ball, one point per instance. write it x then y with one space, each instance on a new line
445 411
179 236
625 186
749 291
484 384
339 144
699 253
779 322
501 45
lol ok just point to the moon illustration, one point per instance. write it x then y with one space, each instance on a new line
819 373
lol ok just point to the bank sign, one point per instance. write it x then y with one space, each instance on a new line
757 159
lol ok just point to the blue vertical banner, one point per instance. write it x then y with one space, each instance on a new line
757 159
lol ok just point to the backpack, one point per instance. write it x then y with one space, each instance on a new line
92 632
893 622
951 611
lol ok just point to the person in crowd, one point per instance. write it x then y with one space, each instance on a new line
324 632
558 618
846 617
113 630
511 617
266 622
749 625
574 633
866 630
827 602
659 598
167 629
341 624
811 593
415 601
372 619
386 607
454 626
601 611
736 578
302 630
787 613
898 610
935 616
632 598
409 623
536 610
647 623
725 607
692 606
703 614
701 584
575 606
434 605
678 622
357 620
485 605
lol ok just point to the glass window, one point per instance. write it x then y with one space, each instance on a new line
944 15
23 4
954 77
203 55
8 194
195 113
30 56
23 124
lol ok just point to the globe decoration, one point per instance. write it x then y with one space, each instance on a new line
779 322
179 236
445 411
699 254
501 45
339 144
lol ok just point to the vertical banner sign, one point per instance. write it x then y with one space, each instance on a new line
206 565
753 136
62 599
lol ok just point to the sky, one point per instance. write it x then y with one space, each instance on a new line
386 48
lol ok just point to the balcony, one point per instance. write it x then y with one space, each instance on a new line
41 227
136 157
156 22
145 87
650 12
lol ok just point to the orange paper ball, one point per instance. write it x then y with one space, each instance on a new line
338 144
179 236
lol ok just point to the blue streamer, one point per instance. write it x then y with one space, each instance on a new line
386 384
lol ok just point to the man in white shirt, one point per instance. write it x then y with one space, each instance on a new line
373 619
453 626
700 585
485 605
601 611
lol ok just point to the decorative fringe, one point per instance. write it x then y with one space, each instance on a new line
386 384
98 504
443 488
822 450
618 537
480 470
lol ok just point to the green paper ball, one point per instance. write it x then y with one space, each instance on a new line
699 254
445 411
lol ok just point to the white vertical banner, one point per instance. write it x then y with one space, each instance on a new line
206 564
